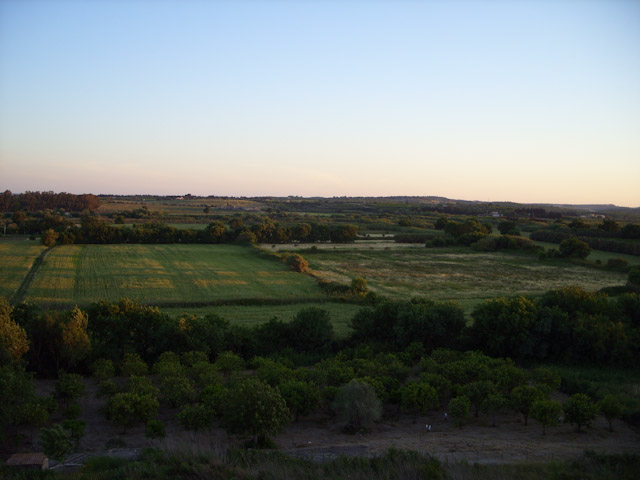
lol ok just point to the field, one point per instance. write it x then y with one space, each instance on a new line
250 315
454 274
165 274
16 259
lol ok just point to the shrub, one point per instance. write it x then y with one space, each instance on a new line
133 365
155 429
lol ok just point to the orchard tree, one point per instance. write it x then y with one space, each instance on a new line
580 410
128 409
459 408
56 442
418 397
611 408
547 412
523 398
493 404
68 387
195 417
301 397
132 365
254 408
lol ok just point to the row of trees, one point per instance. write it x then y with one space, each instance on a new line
569 325
34 201
94 230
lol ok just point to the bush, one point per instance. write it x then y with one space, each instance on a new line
133 365
155 429
195 417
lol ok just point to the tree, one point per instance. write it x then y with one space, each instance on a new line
128 409
580 410
494 404
609 225
572 247
523 398
357 404
418 397
68 387
75 339
177 391
459 409
228 362
312 331
195 417
49 237
611 408
477 392
508 227
301 397
32 414
254 408
56 442
546 412
133 365
634 278
13 337
502 327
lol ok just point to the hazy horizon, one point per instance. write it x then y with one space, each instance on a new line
528 102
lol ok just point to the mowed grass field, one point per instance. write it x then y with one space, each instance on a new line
251 315
164 274
454 274
16 259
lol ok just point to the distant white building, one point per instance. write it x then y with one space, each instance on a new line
495 214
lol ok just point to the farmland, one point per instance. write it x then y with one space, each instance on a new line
16 259
454 273
165 274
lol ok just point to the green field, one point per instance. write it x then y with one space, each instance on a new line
165 274
454 273
250 315
16 259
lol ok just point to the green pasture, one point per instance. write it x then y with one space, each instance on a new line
459 274
165 274
251 315
16 258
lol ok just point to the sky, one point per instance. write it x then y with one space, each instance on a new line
525 101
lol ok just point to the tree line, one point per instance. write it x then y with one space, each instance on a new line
34 201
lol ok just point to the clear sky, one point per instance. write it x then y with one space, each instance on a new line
529 101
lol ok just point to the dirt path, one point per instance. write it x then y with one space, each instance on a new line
19 296
319 438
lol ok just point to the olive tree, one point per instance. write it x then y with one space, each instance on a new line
357 404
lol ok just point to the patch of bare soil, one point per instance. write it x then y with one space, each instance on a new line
319 437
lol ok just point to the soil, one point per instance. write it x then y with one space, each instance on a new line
319 437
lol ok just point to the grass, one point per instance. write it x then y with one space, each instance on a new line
459 274
16 258
166 274
250 315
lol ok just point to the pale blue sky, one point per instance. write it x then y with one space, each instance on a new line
530 101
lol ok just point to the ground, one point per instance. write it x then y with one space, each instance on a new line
318 437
